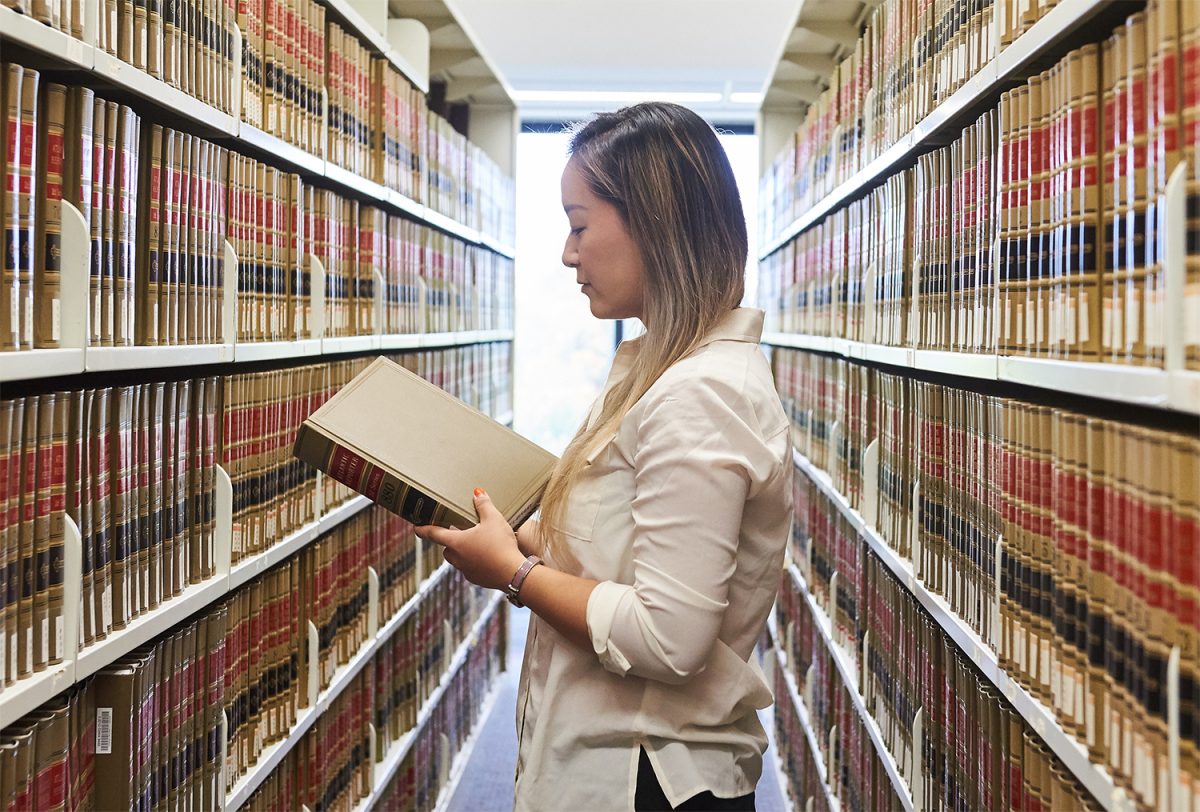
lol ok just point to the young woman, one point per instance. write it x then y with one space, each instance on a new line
662 532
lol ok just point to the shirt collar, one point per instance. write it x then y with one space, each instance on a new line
739 324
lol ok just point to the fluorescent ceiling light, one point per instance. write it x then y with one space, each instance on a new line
753 97
614 96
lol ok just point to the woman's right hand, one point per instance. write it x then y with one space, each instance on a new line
527 538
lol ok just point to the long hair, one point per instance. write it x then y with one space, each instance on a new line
664 170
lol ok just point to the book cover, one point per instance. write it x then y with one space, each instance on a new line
27 201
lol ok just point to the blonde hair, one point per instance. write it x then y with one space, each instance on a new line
665 171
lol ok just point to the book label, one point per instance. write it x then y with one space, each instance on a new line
104 718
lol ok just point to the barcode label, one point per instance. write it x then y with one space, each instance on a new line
104 731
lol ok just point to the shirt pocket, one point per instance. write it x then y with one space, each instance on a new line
583 502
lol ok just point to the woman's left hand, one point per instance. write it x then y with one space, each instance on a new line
487 554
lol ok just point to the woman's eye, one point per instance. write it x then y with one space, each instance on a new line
577 231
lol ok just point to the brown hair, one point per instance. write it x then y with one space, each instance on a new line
664 170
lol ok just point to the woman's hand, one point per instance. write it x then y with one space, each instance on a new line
488 554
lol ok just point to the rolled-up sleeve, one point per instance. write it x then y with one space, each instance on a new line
699 453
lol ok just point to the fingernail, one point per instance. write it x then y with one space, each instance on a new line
478 492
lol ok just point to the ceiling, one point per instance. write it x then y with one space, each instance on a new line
713 47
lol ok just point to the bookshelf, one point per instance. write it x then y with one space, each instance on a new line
850 172
405 45
1040 718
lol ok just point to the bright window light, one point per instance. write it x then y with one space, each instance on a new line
746 98
614 96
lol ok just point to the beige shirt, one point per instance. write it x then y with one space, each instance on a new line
683 516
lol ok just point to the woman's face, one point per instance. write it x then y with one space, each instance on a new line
607 263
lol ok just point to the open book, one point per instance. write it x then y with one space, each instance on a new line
420 452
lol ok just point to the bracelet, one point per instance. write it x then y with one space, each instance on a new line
513 590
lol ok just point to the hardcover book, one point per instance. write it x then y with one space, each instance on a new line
419 452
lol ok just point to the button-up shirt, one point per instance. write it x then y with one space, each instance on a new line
682 516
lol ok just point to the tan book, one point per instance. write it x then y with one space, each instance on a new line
11 420
26 538
420 452
10 205
27 202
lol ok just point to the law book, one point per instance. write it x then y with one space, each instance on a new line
27 202
11 424
10 205
328 441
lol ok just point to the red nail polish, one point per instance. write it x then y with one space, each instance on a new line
478 492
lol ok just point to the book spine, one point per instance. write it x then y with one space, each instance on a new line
10 307
48 260
27 218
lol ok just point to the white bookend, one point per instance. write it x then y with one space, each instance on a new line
317 322
444 762
223 542
869 504
223 764
1174 203
915 785
832 610
865 670
372 603
229 291
447 645
76 260
808 688
378 289
72 589
830 754
372 753
835 439
410 38
314 661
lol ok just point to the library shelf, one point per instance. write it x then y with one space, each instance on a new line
292 157
178 103
24 365
386 769
25 695
801 707
23 29
110 359
496 247
1178 390
273 756
247 569
148 626
174 103
849 675
352 19
1044 38
303 348
340 344
458 767
1040 718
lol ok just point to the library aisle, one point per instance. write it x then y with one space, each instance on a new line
487 779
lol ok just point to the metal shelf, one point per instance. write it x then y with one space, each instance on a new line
24 365
793 694
1073 754
1048 34
1120 383
850 681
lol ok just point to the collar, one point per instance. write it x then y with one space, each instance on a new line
740 324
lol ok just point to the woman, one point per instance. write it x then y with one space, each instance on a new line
663 528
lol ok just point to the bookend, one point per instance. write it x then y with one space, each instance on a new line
223 541
314 661
915 785
317 322
869 506
372 603
229 287
223 764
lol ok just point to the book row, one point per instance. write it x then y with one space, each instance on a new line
274 493
331 769
1041 231
308 81
159 205
958 742
154 716
1069 543
911 57
798 760
858 778
134 467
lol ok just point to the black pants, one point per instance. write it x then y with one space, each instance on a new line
649 797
